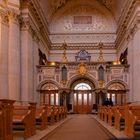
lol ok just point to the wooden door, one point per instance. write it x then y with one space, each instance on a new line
82 102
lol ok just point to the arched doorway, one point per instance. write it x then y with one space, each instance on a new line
83 96
49 94
116 91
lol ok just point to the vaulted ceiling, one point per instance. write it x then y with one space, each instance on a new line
51 7
82 21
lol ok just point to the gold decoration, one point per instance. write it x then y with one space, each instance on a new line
101 83
82 69
64 58
100 58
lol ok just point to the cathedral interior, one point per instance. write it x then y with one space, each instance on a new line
63 62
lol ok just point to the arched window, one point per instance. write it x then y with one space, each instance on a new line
101 73
82 86
64 73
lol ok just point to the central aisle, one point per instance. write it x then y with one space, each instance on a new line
81 127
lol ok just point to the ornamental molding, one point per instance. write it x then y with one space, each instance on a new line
129 20
128 32
83 38
42 23
85 46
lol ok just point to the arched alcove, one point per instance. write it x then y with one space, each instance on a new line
116 92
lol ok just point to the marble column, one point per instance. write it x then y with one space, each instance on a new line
26 61
14 57
4 36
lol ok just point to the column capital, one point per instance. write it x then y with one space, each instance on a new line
24 23
4 18
14 16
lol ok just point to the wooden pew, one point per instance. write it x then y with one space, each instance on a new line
103 113
132 125
106 112
119 117
56 113
65 111
100 110
111 115
41 116
24 119
50 115
61 112
6 114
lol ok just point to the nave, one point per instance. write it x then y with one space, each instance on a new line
81 127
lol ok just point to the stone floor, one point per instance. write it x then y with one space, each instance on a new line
78 127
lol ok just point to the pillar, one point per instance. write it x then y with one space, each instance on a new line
14 57
26 60
4 36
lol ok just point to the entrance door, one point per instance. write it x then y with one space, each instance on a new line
82 102
82 98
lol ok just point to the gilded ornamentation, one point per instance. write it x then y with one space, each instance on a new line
4 18
14 16
82 69
100 58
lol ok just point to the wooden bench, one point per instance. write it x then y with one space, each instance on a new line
106 112
119 117
50 115
100 111
24 119
65 111
111 115
56 113
132 125
6 114
41 116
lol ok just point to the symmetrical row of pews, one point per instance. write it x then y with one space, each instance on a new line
125 117
27 117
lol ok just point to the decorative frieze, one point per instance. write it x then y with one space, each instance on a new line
119 72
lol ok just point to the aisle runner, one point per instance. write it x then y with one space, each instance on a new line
81 127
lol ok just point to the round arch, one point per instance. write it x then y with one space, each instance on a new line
117 92
48 81
78 77
117 81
